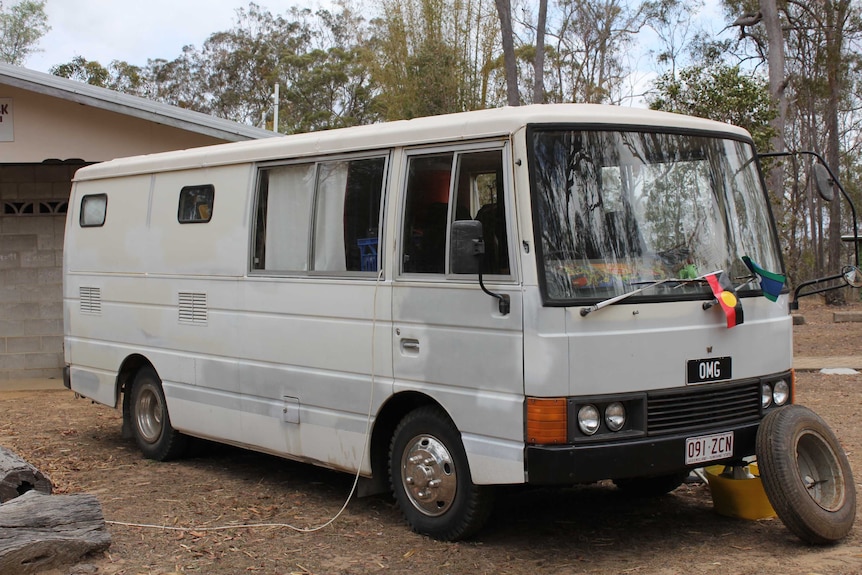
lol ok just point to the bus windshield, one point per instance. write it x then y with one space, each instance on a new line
617 209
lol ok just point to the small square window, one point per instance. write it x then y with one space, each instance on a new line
196 204
93 209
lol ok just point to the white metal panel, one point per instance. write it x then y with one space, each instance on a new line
215 248
452 127
628 347
120 245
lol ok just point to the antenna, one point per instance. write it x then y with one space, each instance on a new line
275 110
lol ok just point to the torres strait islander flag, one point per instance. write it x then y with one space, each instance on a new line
771 283
722 288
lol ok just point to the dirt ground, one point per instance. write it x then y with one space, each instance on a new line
592 529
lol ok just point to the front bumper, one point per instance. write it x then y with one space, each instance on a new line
642 457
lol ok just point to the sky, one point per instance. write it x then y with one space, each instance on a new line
133 30
137 30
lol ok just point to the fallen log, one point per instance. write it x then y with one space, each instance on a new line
18 477
39 531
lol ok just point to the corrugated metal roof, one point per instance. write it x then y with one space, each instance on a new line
134 106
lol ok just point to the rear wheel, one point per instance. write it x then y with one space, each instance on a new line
431 478
151 424
806 475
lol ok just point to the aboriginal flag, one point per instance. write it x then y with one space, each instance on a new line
722 288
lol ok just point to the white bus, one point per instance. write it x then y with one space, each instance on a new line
543 295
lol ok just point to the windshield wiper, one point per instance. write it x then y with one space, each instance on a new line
585 311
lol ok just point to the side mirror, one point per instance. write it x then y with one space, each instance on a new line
466 244
824 182
852 276
467 250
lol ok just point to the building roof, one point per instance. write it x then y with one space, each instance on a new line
128 105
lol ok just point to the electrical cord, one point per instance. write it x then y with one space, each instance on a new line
335 517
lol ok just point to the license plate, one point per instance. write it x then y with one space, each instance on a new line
708 448
712 369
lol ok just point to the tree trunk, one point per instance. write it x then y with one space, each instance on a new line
504 9
39 531
777 89
539 61
18 477
835 21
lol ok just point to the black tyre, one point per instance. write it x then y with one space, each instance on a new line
151 424
431 478
806 475
651 486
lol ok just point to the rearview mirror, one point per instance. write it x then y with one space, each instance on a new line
823 180
467 250
467 244
853 276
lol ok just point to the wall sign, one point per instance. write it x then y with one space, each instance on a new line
7 133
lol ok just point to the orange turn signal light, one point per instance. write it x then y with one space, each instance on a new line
546 420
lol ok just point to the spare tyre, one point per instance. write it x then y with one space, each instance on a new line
806 475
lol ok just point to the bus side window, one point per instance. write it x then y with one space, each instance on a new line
284 199
93 210
347 214
196 204
329 211
480 196
426 213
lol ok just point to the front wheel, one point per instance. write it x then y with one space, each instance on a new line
431 478
151 424
806 475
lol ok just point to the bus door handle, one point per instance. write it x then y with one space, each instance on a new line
410 346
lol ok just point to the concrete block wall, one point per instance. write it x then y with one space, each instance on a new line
32 221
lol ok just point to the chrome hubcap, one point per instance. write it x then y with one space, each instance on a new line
428 475
149 414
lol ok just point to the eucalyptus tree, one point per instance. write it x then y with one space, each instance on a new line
820 43
435 56
507 40
240 67
588 40
719 92
320 61
119 76
22 25
179 82
83 70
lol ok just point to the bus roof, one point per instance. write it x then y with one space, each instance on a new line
473 125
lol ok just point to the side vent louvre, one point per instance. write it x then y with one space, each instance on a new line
193 308
91 300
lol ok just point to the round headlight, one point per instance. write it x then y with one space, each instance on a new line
615 416
588 419
780 392
765 395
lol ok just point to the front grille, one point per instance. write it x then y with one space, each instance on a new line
703 407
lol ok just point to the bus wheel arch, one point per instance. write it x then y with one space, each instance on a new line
430 477
145 412
387 419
